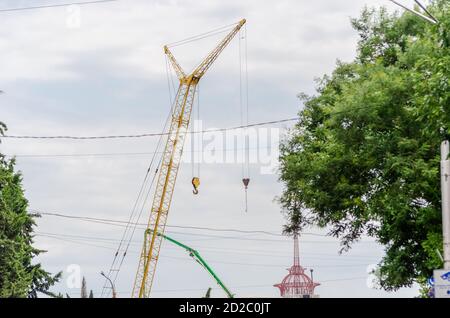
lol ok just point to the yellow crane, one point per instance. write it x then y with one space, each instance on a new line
170 162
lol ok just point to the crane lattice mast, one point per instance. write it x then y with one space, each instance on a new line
170 163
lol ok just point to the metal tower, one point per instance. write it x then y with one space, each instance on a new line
297 284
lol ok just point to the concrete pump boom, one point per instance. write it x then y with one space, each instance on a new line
197 257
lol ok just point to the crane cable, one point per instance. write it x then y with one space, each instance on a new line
172 93
196 140
172 96
130 228
243 84
201 36
131 224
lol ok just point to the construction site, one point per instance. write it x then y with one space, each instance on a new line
157 142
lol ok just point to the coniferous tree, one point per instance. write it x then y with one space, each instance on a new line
19 277
84 288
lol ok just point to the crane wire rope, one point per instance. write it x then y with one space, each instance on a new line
169 73
127 231
200 36
196 139
241 110
129 222
246 96
244 112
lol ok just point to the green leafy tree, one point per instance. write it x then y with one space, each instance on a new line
19 277
364 157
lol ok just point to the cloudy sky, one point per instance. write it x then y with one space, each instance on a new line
99 69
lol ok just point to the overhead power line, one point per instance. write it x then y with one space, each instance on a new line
211 261
213 249
350 110
207 249
116 154
55 5
233 287
171 226
144 226
149 134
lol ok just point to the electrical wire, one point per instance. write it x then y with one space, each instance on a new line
56 5
115 154
149 134
350 110
210 249
209 260
172 226
129 223
233 287
114 222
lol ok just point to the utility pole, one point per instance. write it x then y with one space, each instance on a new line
445 188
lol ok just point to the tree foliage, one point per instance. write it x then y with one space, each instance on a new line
364 157
19 277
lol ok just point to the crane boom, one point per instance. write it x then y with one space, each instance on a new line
170 163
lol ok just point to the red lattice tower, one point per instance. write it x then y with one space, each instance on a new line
297 284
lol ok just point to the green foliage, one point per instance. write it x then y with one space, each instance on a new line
19 277
364 156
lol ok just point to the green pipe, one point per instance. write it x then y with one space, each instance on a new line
196 255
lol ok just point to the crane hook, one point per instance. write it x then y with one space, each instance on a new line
195 184
246 181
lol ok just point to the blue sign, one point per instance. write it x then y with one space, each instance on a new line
430 281
441 283
446 276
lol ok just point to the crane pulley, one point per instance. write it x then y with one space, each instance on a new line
170 163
